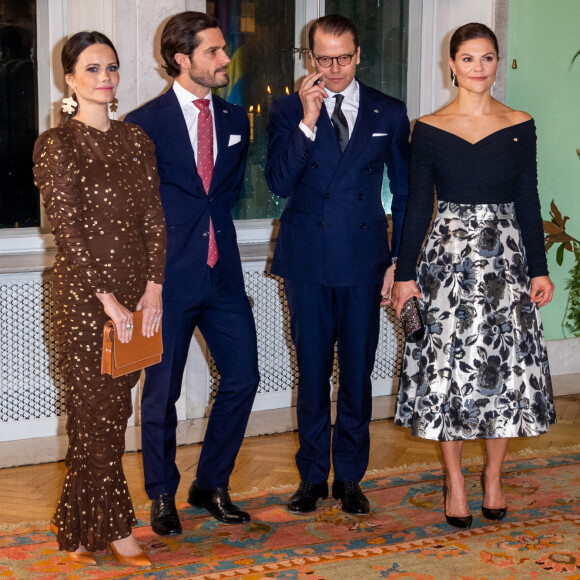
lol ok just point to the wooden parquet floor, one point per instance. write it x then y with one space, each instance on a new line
30 493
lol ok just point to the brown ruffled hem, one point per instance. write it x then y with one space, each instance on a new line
92 516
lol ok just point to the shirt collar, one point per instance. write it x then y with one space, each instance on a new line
185 97
349 92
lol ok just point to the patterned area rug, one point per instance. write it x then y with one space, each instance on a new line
404 536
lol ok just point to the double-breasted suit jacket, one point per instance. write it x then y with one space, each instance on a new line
333 252
333 230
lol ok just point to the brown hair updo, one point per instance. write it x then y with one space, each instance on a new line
69 56
469 32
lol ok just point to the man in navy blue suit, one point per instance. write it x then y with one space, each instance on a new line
201 144
328 147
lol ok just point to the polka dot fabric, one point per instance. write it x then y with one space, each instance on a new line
101 193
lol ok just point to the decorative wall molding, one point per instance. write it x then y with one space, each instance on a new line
439 20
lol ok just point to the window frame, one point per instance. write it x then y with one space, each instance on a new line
50 30
430 23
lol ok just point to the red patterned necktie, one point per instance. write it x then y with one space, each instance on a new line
205 164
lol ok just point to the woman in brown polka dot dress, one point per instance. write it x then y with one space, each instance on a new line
100 189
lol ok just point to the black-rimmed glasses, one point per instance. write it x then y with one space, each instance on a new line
326 61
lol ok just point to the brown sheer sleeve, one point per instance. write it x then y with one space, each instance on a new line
55 172
153 222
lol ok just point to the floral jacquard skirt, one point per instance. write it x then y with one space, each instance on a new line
481 370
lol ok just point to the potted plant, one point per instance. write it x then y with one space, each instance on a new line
556 235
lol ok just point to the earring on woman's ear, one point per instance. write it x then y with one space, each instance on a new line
454 81
113 105
69 105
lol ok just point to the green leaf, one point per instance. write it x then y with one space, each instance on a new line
560 254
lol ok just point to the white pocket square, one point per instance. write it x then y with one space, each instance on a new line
380 134
234 139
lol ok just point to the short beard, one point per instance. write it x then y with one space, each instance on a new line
209 82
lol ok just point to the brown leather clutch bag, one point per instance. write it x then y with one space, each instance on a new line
120 358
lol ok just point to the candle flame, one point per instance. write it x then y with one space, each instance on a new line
258 107
269 91
251 108
287 91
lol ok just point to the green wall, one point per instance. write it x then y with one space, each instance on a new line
546 35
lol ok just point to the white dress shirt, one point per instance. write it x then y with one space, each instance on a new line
191 113
349 108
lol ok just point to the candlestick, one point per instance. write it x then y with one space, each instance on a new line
251 118
269 98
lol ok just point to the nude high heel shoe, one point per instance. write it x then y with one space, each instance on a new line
141 559
85 558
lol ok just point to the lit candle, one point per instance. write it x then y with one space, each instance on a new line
259 110
287 91
269 98
251 117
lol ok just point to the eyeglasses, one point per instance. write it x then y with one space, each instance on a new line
326 61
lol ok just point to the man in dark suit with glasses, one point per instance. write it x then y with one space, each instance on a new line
328 147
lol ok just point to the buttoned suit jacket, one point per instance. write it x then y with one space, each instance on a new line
186 205
333 230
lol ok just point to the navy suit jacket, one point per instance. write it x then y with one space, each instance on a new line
333 230
187 207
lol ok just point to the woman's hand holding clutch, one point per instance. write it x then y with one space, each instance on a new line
402 291
121 317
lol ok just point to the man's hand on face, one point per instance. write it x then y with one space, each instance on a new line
312 95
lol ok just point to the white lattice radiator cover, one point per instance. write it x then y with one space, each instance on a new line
31 389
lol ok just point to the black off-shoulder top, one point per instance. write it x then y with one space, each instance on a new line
500 168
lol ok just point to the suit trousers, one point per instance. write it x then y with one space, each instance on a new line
226 322
321 316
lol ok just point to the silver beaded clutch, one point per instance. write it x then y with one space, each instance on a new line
413 325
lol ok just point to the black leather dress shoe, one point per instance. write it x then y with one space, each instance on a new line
352 498
218 503
305 497
164 518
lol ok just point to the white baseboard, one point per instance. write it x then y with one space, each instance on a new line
564 356
265 422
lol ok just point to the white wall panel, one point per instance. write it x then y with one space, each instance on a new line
440 19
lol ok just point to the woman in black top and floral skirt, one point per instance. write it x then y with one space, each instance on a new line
481 369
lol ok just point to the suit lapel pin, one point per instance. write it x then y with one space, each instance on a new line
376 111
225 111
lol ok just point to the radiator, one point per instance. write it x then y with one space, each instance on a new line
32 391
